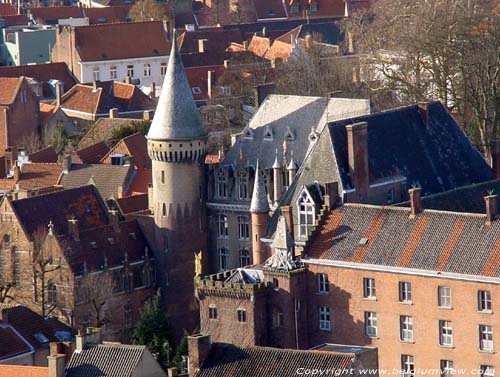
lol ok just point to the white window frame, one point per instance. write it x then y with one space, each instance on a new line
147 70
445 333
407 366
223 258
487 371
486 338
484 301
444 297
306 213
96 73
406 328
405 292
371 329
446 368
369 288
163 68
324 318
130 70
243 186
323 283
113 72
221 185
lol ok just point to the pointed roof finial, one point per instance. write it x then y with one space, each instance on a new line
176 116
259 202
277 162
51 228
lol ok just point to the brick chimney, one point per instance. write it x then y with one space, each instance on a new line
113 113
80 341
198 348
495 158
73 229
331 194
58 94
357 151
287 213
17 172
415 204
57 364
490 202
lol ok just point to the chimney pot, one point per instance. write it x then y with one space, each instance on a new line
490 202
357 152
113 113
415 203
58 94
198 347
57 364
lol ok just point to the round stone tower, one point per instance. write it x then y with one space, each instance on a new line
177 143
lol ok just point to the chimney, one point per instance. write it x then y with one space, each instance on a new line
357 151
415 204
198 348
66 163
128 80
80 341
226 64
152 90
56 348
95 85
245 45
210 82
113 113
114 219
148 114
264 30
93 336
10 157
490 202
17 172
262 91
287 213
309 41
495 158
202 45
57 364
58 94
121 194
277 178
423 108
332 193
73 229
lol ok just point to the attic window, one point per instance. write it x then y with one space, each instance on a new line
133 236
268 135
289 135
248 134
111 240
363 241
196 90
93 244
42 339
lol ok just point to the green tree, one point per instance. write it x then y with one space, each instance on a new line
181 351
147 10
154 331
141 126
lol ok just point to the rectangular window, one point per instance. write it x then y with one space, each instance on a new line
147 70
447 368
444 297
484 301
313 8
243 228
16 268
222 226
112 72
221 185
96 74
371 324
307 214
487 371
486 338
323 284
163 69
324 318
407 366
445 333
243 187
369 290
242 315
130 70
245 258
406 328
223 255
404 291
212 311
294 8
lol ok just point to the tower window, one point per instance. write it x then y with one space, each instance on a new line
242 315
164 210
212 311
243 186
163 176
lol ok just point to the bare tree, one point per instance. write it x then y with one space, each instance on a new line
147 10
98 288
6 287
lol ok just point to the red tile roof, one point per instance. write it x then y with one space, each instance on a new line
11 343
7 9
217 40
259 45
133 204
268 9
108 15
121 41
44 155
198 78
94 153
142 179
16 20
45 14
8 89
133 145
23 371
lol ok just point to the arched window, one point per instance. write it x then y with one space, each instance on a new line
245 258
307 213
222 226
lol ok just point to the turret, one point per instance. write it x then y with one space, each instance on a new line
277 178
259 208
292 170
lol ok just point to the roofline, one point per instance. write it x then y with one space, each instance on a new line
403 270
83 62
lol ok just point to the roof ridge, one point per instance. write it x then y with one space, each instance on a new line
114 24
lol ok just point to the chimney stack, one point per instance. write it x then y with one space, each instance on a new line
113 113
128 80
495 158
415 205
73 229
210 82
80 341
202 45
490 202
17 172
148 114
286 212
357 151
66 163
423 108
198 348
95 85
277 178
58 94
57 364
152 90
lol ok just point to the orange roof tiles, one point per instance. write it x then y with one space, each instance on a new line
34 176
413 241
259 45
450 244
8 89
370 233
23 371
326 233
133 145
140 182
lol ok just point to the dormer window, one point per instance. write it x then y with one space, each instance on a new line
243 186
307 213
196 90
221 184
248 133
268 134
289 136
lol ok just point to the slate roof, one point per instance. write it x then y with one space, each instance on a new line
121 41
105 360
110 246
133 145
437 157
102 131
28 323
176 116
218 40
433 240
83 203
283 113
11 343
227 360
107 178
93 153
